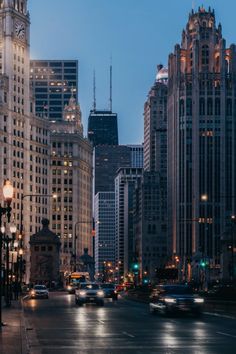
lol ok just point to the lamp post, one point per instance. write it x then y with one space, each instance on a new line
8 195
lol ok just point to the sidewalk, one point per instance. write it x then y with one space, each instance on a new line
13 336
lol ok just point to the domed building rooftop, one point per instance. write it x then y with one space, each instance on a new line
162 74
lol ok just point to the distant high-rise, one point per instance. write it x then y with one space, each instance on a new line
150 212
124 187
104 213
102 124
201 146
52 82
71 181
107 160
155 124
102 127
136 156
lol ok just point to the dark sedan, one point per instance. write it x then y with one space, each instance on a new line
171 298
109 290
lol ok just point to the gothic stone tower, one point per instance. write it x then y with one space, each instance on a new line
24 137
201 144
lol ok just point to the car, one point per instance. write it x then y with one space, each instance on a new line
71 288
39 291
109 290
89 293
174 298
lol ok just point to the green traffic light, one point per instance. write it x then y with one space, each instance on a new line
203 264
135 266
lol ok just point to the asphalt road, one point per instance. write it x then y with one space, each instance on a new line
57 326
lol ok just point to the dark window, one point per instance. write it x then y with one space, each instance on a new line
202 106
209 106
217 106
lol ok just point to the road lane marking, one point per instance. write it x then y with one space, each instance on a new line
219 315
128 334
226 334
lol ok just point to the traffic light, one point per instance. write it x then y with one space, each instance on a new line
135 268
202 263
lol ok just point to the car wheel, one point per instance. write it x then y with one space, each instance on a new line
101 303
79 303
115 298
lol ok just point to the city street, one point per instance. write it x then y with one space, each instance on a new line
58 326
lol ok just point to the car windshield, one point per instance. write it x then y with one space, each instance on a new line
89 286
40 287
107 286
177 290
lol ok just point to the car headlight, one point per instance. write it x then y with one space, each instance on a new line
100 293
69 287
82 293
199 300
32 292
170 300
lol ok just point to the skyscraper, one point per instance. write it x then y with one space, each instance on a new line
52 82
24 137
102 124
102 128
104 213
71 181
124 187
155 124
201 142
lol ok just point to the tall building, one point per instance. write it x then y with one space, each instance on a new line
150 224
71 181
124 186
104 214
52 82
150 212
102 127
155 124
201 145
24 137
136 156
107 160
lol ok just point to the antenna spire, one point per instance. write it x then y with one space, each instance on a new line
111 85
94 91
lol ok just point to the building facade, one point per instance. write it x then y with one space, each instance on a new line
52 82
71 181
123 208
104 214
24 138
201 143
150 225
102 127
107 160
155 124
136 156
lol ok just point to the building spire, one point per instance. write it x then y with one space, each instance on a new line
94 91
110 100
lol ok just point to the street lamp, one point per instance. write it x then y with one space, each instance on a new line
8 195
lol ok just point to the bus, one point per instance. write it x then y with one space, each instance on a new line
74 279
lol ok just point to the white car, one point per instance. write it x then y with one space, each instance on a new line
39 291
89 293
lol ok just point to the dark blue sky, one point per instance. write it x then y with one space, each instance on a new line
138 34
